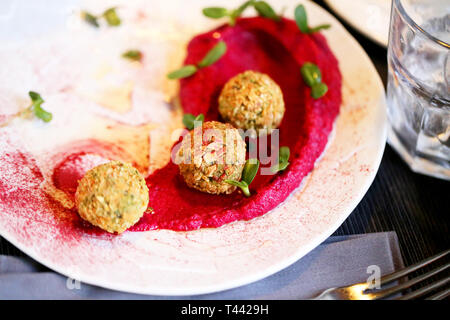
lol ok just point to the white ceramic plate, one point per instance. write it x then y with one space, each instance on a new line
370 17
183 263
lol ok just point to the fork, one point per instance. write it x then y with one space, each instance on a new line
364 291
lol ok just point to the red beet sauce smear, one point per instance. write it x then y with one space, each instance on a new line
278 49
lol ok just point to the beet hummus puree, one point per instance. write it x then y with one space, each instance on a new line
278 49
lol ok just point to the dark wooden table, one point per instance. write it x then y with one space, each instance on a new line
415 206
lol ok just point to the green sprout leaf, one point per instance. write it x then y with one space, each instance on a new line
111 17
34 109
215 12
242 8
251 168
265 10
283 160
42 114
237 12
262 7
279 167
319 90
200 118
190 121
35 97
240 184
301 19
213 55
134 55
38 111
183 72
90 19
311 74
284 154
219 12
321 27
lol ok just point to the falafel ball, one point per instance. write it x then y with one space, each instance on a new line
211 154
112 196
252 100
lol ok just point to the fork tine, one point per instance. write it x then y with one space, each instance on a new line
440 295
390 291
401 273
420 292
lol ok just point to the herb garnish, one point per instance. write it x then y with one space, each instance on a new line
211 57
313 78
89 18
311 74
183 72
237 12
302 21
251 168
319 90
35 108
190 121
265 10
134 55
110 16
215 12
283 160
262 7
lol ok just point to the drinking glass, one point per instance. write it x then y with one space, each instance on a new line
419 84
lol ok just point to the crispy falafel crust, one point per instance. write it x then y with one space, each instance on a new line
252 100
112 196
220 157
278 49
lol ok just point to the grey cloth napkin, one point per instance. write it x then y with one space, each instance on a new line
338 261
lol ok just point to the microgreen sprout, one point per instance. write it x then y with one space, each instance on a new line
262 7
283 160
312 76
251 168
190 121
301 19
110 15
133 55
211 57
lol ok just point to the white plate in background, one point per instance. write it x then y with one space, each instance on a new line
370 17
